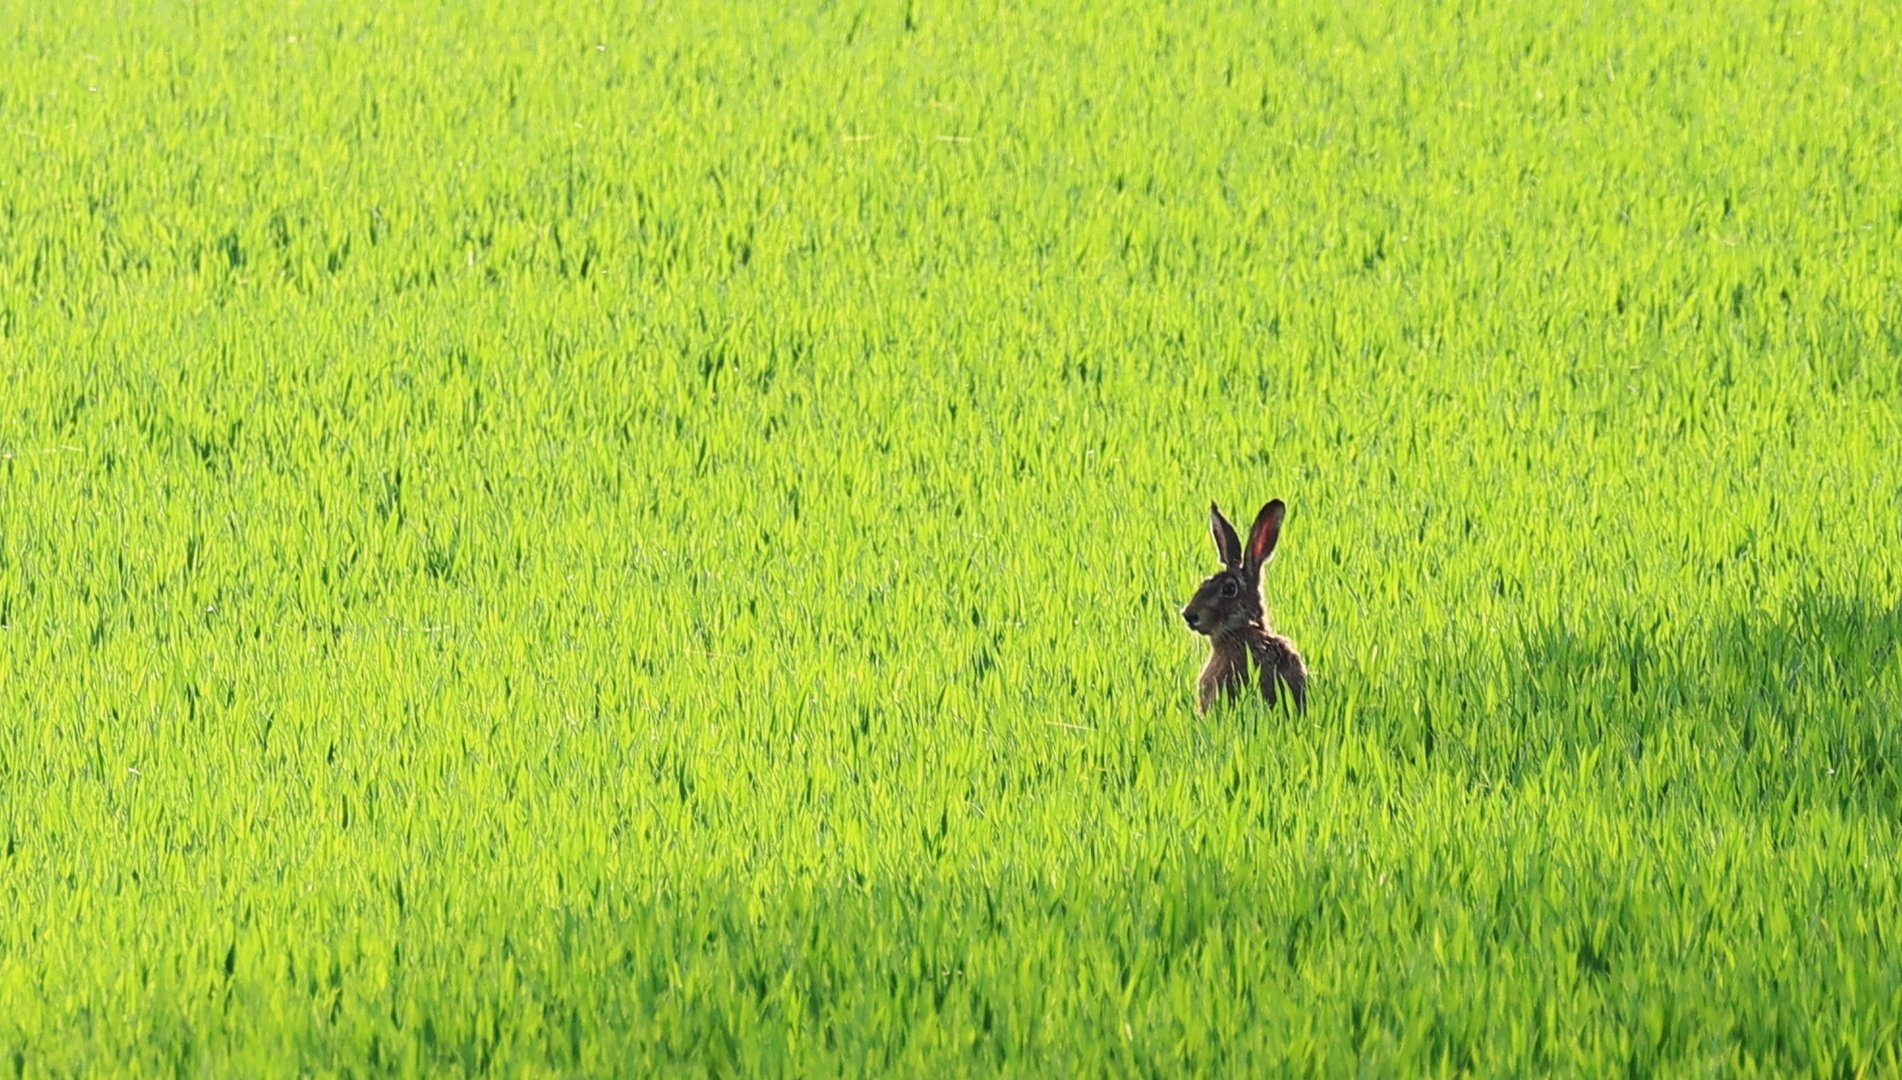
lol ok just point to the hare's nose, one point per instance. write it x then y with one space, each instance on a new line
1191 618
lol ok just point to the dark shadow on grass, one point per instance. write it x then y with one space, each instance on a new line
1811 688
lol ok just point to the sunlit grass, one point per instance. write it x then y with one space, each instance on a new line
608 541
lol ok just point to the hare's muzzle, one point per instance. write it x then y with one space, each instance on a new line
1189 616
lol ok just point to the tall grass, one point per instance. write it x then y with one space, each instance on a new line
619 540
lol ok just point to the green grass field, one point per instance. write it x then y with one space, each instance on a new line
615 541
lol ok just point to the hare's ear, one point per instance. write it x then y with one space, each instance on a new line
1227 544
1266 531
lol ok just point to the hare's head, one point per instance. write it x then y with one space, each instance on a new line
1231 598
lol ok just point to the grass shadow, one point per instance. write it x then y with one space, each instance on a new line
1805 694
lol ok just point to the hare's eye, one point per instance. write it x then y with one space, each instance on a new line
1229 588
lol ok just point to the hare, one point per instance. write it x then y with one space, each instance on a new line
1227 610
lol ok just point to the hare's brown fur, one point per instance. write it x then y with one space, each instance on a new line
1227 609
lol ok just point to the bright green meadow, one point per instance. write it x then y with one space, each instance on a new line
627 540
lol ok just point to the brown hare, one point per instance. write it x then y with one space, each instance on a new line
1227 610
